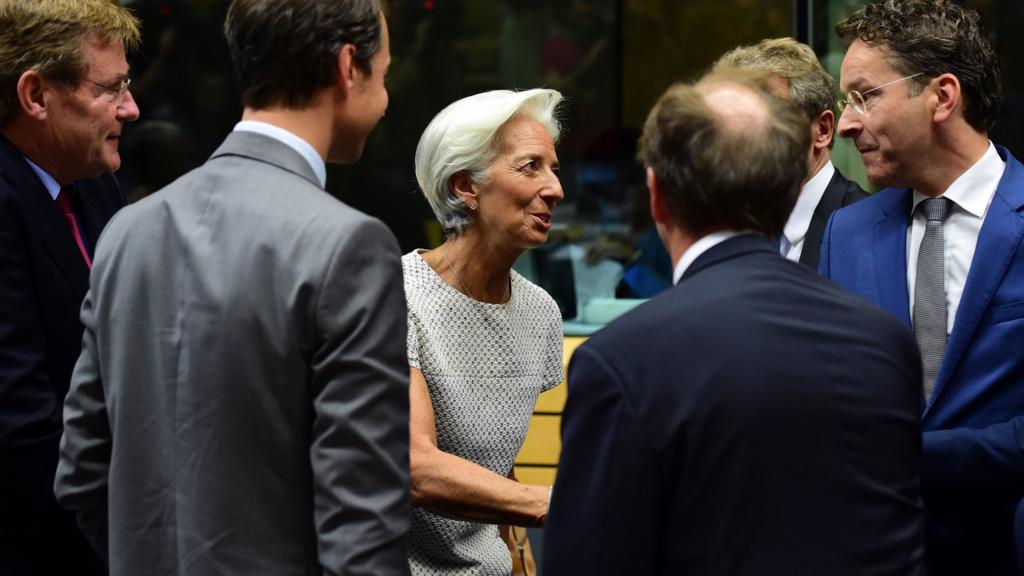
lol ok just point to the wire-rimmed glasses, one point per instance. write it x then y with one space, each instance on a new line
856 99
117 89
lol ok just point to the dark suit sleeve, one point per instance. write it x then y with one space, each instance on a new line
360 389
826 242
604 512
991 458
26 393
84 467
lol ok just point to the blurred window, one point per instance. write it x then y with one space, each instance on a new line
610 58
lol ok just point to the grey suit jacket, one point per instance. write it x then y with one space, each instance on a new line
241 402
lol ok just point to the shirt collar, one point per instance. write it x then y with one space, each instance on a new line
974 189
300 146
699 247
48 181
808 200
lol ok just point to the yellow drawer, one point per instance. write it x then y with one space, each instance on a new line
553 401
540 475
543 441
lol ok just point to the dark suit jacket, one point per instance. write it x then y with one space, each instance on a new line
43 280
839 192
973 456
754 419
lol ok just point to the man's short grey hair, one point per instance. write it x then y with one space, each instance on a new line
463 138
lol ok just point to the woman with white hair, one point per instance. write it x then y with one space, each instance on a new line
483 341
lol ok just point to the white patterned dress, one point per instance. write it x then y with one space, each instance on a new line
485 365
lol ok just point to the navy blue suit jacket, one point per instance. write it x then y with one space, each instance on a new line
753 419
973 452
839 192
43 280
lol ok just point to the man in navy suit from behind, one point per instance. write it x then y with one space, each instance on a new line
923 90
754 419
64 100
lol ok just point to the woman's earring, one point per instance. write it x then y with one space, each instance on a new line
472 207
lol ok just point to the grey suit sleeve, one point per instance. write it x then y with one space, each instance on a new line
84 466
360 391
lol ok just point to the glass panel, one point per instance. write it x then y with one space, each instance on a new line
611 59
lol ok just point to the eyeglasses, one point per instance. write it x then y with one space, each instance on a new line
856 99
118 89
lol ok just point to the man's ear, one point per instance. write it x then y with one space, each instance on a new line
822 130
31 91
659 206
947 97
347 68
463 187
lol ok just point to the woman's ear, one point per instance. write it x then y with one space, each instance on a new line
463 187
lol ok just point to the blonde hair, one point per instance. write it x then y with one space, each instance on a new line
810 86
49 36
462 138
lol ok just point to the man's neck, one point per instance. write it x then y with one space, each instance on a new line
817 161
311 124
953 156
31 146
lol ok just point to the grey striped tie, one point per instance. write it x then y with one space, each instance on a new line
930 292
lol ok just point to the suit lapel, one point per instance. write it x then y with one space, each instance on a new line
266 149
47 221
890 252
831 201
727 249
998 242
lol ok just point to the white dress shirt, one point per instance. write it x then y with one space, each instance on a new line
303 148
48 181
971 195
792 242
699 247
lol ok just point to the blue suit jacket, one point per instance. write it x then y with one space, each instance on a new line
973 453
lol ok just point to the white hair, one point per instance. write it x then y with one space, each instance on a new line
463 138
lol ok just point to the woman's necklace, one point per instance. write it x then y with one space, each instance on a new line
508 289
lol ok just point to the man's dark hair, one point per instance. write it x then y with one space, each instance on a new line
934 37
284 51
738 172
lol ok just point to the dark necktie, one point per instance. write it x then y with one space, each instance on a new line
64 203
930 292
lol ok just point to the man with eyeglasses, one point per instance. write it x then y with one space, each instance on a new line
796 74
940 249
63 104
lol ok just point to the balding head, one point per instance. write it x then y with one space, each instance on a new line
726 154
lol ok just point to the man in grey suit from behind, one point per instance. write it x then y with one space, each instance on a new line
241 402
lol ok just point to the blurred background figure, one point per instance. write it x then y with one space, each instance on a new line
483 341
64 102
797 75
723 427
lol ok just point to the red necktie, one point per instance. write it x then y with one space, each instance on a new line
64 203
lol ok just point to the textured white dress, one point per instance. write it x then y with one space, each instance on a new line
485 365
